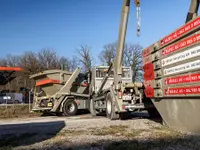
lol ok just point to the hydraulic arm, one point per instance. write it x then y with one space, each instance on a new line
121 41
193 11
117 62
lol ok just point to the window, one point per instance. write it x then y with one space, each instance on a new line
101 72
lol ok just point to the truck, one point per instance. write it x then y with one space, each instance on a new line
120 98
72 88
171 78
110 89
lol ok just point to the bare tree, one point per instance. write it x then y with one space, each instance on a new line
133 58
108 53
74 63
85 57
68 64
45 59
48 59
12 60
65 62
3 62
29 62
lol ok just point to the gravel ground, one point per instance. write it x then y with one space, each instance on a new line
51 133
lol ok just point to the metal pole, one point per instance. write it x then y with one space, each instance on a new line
120 45
29 98
193 10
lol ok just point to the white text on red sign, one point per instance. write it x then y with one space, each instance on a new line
183 90
182 44
183 79
181 31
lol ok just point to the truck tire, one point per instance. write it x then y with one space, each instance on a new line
110 108
70 108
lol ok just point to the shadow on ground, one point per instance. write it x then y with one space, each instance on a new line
145 115
80 112
28 133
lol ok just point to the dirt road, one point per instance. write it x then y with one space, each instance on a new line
86 132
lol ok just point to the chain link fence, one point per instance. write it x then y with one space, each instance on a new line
16 110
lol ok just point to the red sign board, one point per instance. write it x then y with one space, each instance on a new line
149 92
182 44
183 90
185 29
148 71
183 79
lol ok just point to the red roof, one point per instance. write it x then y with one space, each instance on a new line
10 69
8 73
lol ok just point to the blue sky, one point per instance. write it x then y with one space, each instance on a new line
62 25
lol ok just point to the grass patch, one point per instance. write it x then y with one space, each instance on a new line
165 132
133 133
134 145
118 130
71 132
16 111
111 130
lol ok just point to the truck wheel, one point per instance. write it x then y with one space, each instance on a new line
110 108
70 108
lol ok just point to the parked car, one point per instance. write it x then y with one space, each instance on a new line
11 98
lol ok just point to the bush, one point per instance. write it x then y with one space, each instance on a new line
16 111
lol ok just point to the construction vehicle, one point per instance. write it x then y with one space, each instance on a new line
112 92
60 91
120 98
171 78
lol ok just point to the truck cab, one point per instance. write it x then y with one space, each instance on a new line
99 73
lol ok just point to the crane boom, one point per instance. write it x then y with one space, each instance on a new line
193 10
117 62
121 42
